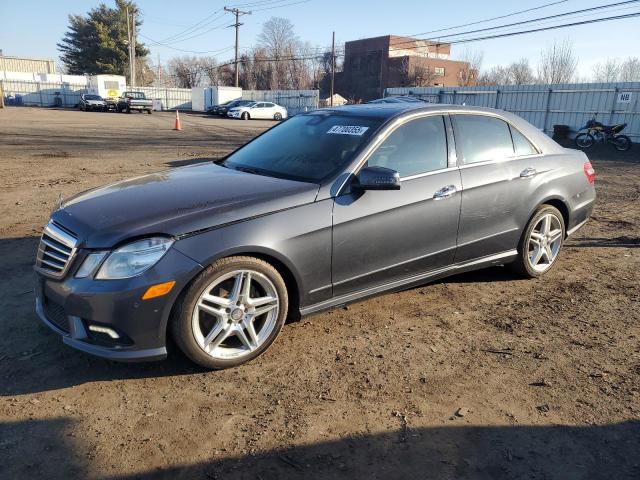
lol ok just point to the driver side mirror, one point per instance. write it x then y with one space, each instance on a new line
377 178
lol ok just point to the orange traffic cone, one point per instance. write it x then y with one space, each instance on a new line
177 126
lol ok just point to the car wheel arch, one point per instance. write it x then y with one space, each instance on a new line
284 268
555 201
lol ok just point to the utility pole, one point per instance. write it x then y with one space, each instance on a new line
333 65
133 48
238 14
129 44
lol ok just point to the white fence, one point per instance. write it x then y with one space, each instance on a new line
41 94
172 98
63 94
295 101
547 105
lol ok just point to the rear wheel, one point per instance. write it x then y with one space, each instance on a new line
622 143
541 242
232 312
245 116
584 140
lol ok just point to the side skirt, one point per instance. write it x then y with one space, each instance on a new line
491 260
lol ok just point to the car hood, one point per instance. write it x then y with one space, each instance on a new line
177 202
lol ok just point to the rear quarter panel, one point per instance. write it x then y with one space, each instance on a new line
560 177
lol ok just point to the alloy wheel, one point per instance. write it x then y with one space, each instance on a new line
544 242
235 314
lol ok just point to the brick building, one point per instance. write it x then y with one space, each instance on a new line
373 64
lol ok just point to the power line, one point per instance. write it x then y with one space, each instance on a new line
558 15
202 52
554 27
491 19
196 26
436 41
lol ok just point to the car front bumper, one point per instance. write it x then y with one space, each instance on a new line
70 306
234 114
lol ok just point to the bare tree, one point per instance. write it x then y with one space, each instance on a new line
607 70
520 73
497 75
630 70
189 72
558 63
278 40
468 75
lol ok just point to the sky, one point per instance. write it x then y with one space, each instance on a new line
32 28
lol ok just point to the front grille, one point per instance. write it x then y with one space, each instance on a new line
55 314
56 250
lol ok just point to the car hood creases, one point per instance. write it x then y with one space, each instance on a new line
177 202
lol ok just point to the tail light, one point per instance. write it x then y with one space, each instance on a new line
589 172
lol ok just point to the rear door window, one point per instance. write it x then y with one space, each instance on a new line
482 138
521 144
418 146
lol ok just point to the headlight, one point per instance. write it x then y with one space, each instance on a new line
134 258
90 264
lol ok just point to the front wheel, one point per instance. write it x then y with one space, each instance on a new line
584 140
232 312
541 242
244 116
621 142
277 117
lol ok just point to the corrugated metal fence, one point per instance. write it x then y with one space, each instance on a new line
295 101
547 105
171 98
63 94
42 94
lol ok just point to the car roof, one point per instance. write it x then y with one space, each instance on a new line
391 110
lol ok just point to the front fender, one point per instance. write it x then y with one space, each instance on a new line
298 238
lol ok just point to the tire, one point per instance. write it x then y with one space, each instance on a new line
584 140
527 252
149 112
245 116
128 110
277 117
118 109
621 142
193 323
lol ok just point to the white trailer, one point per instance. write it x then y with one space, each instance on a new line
109 87
202 98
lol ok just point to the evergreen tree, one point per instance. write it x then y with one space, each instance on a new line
97 43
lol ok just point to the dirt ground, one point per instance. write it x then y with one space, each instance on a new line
482 375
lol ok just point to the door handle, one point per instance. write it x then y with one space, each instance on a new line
528 172
445 192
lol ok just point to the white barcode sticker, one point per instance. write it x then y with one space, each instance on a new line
347 130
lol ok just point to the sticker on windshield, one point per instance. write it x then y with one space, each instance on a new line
347 130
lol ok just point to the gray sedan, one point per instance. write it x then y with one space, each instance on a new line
324 209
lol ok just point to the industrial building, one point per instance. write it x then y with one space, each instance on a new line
373 64
26 65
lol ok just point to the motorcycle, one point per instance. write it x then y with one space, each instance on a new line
596 132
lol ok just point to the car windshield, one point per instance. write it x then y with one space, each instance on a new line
92 97
307 148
